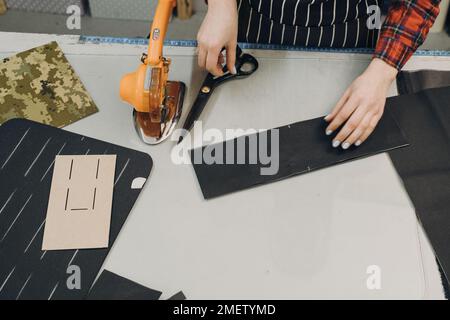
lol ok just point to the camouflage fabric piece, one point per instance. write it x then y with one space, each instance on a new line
40 85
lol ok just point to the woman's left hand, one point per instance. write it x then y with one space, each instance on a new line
361 106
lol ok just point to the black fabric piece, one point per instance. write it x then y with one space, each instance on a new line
424 167
415 81
444 281
179 296
303 147
27 272
111 286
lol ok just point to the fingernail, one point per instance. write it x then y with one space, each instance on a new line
326 118
345 146
358 143
329 132
234 71
336 143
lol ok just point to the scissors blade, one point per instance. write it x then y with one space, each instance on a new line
197 108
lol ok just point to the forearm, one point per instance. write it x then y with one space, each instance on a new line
405 29
383 71
218 30
214 2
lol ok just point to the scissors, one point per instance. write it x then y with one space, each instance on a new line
246 65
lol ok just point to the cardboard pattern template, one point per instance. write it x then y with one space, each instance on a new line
79 206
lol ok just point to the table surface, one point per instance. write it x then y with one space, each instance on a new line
311 236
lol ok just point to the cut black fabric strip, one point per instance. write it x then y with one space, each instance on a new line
303 147
111 286
179 296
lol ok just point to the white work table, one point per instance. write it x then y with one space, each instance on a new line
311 236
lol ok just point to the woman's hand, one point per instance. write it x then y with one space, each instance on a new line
361 106
219 30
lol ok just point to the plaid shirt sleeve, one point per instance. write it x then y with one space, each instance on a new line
405 29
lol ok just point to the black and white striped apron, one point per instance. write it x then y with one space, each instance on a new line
309 23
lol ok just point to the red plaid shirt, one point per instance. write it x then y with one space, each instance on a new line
405 29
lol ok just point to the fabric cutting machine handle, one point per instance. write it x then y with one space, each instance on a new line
158 31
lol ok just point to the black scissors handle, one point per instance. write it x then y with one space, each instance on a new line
245 64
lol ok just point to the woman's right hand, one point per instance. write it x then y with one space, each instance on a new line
218 30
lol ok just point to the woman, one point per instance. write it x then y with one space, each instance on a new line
325 23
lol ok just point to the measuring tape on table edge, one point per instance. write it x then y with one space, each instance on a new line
249 46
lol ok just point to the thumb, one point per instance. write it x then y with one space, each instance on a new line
231 57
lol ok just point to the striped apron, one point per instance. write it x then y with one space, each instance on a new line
309 23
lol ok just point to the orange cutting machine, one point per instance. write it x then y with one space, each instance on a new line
157 102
